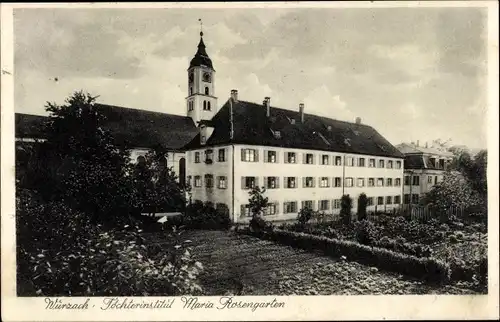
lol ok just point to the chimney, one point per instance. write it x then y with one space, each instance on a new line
358 120
426 145
418 142
267 105
301 111
234 95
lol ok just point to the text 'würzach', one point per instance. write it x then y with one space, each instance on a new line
58 304
228 302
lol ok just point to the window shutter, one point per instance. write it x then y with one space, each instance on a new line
296 182
313 205
304 179
314 182
277 208
285 156
242 154
277 182
256 181
256 155
277 157
242 210
242 182
266 183
302 204
266 156
285 183
303 158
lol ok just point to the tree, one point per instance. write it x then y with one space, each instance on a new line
156 187
84 166
362 204
345 209
257 204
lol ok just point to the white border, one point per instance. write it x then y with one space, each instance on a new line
297 307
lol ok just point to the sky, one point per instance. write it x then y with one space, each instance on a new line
411 73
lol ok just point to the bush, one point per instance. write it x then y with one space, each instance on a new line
428 269
305 214
60 253
259 224
345 209
362 204
366 232
204 216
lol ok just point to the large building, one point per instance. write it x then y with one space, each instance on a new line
424 168
303 160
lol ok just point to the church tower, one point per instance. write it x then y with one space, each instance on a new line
201 101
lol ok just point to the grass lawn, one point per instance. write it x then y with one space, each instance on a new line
240 264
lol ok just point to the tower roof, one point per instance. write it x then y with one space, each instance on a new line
201 57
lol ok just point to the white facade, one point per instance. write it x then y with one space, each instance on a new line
314 182
174 159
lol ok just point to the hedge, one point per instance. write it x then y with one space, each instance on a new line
428 269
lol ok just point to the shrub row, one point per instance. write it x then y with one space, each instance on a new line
428 269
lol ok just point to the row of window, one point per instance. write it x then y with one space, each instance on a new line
290 207
252 155
415 180
292 182
207 106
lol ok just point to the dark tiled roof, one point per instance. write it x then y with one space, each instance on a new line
29 126
251 126
201 57
130 127
416 161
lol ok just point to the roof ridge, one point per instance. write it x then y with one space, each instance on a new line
139 110
324 117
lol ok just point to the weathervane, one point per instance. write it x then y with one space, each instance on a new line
201 27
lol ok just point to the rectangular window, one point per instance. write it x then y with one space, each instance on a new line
349 182
338 182
307 182
406 198
324 182
336 204
416 180
290 207
414 198
290 157
380 201
380 182
324 205
307 204
325 160
308 158
197 157
397 200
388 200
208 156
371 163
222 155
398 164
361 182
361 162
249 155
407 180
197 181
209 181
397 182
381 163
370 201
429 179
248 182
350 161
246 211
272 182
271 209
291 182
222 182
371 182
389 182
271 157
389 164
338 160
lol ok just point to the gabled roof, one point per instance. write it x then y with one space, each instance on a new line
252 126
130 127
406 148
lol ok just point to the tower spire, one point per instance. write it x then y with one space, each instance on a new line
201 27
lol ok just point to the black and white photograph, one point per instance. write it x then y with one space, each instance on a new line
234 157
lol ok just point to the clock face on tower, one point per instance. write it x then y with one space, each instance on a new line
191 77
207 77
